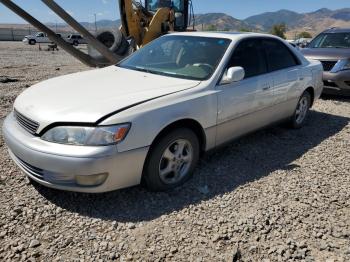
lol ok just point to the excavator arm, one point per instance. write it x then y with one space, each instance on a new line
139 26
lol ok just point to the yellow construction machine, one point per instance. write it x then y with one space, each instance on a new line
141 22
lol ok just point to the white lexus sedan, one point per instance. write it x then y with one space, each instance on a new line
148 119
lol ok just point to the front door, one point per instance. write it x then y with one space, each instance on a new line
243 106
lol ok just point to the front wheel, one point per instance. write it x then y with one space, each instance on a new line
302 111
172 160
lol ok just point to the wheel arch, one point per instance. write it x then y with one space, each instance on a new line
192 124
311 91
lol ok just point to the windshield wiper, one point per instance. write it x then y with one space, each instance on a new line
142 69
335 47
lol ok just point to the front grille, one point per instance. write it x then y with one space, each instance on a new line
34 171
44 175
328 65
28 124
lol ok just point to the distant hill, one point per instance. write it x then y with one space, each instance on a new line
313 22
220 21
266 20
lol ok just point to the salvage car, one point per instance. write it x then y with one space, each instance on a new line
149 118
332 48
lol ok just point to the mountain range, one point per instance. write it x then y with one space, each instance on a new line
313 22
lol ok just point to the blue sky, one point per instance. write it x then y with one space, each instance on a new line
84 10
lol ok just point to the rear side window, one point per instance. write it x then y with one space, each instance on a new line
249 55
278 55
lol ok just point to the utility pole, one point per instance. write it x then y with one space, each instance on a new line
95 23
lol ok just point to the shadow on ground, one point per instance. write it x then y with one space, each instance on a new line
337 97
242 161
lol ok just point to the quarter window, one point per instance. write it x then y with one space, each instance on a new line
278 55
249 55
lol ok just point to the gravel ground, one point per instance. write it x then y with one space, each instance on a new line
275 195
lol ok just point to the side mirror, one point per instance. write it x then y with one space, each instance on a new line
233 74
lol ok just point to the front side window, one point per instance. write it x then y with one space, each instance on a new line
331 40
187 57
249 55
278 55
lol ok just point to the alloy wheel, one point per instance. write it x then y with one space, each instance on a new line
301 111
176 161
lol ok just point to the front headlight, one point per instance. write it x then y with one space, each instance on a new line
87 136
343 64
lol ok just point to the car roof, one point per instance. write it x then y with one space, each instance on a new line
230 35
337 30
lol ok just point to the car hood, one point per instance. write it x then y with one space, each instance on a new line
88 96
326 53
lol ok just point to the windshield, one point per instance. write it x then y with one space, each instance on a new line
178 5
331 40
187 57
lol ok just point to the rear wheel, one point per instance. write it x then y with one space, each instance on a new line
172 160
32 42
302 111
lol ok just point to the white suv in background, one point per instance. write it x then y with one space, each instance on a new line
75 39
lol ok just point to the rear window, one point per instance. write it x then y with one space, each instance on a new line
278 55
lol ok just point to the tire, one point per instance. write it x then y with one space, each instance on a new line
32 42
114 40
166 167
301 112
76 43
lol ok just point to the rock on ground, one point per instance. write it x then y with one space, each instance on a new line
275 195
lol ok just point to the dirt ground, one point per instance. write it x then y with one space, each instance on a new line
275 195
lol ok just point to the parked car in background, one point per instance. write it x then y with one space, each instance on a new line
332 48
76 39
37 38
302 42
292 43
185 94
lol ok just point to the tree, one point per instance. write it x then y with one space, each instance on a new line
279 30
212 28
244 30
304 35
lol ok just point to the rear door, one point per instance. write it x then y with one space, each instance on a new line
285 69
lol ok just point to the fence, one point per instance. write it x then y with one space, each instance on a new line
16 34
